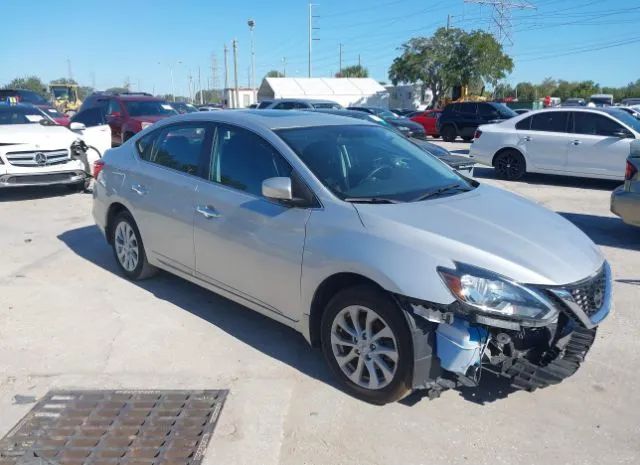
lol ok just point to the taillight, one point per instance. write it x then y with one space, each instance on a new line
97 167
630 172
477 134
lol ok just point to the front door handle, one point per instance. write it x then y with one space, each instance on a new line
207 211
576 142
527 138
139 189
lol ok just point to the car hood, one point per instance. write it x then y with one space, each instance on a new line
492 229
37 135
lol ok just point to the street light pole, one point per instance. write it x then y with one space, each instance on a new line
252 24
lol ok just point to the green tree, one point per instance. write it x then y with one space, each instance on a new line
33 83
117 90
526 92
355 71
450 57
546 87
274 74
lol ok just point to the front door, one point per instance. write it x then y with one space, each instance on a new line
246 244
544 138
162 191
595 149
115 119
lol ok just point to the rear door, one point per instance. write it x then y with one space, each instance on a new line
467 119
543 138
115 120
594 148
246 244
162 191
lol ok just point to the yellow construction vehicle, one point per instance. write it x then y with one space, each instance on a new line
65 98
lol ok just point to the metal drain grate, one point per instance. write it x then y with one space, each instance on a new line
115 428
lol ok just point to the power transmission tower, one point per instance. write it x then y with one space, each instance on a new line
311 29
235 74
214 72
502 16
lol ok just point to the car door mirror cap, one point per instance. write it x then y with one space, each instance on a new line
76 126
278 188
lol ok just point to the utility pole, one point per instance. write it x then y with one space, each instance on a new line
448 22
502 16
93 79
359 60
226 67
311 38
69 69
235 73
284 66
200 86
340 61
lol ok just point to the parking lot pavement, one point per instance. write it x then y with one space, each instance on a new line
69 320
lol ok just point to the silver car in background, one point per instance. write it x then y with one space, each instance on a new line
625 200
407 274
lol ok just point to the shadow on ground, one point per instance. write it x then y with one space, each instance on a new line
608 231
14 194
262 333
482 172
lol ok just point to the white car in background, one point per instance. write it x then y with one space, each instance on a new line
584 142
34 150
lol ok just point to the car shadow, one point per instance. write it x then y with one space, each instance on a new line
263 334
608 231
14 194
553 180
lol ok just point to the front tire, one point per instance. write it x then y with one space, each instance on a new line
128 248
367 344
510 165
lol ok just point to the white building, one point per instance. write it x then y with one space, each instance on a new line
408 97
246 97
345 91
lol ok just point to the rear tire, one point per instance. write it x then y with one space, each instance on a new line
128 248
510 165
367 344
449 133
467 139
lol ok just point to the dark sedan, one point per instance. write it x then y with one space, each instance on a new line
404 125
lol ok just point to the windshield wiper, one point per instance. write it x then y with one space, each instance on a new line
440 191
370 200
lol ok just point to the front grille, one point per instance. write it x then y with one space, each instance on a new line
51 178
34 158
589 294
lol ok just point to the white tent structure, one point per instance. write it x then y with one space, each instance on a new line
345 91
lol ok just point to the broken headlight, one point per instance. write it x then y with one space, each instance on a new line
490 293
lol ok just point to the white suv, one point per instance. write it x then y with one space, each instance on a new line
584 142
34 150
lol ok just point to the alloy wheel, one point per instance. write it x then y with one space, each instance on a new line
509 166
126 244
364 347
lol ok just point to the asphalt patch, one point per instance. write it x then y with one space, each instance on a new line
115 428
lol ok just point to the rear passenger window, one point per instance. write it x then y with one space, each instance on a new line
550 121
468 108
177 147
145 144
525 124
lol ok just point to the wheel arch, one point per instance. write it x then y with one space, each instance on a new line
323 294
114 210
507 149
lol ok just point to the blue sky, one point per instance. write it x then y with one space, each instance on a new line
109 41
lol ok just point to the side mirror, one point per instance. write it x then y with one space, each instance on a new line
623 134
75 126
277 188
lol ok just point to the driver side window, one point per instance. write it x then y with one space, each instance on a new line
113 107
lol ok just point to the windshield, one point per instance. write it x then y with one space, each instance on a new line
60 93
600 101
627 118
149 108
25 96
386 114
368 162
503 110
326 105
20 115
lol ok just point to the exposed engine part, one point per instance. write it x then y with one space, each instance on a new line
460 346
433 315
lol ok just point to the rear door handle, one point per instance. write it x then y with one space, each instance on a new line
527 138
139 189
576 142
208 211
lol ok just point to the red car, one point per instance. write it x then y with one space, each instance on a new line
35 99
128 113
428 119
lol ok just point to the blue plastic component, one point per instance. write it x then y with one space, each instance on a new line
459 345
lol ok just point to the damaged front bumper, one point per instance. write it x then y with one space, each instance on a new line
453 346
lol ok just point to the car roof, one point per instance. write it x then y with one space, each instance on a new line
270 119
306 100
